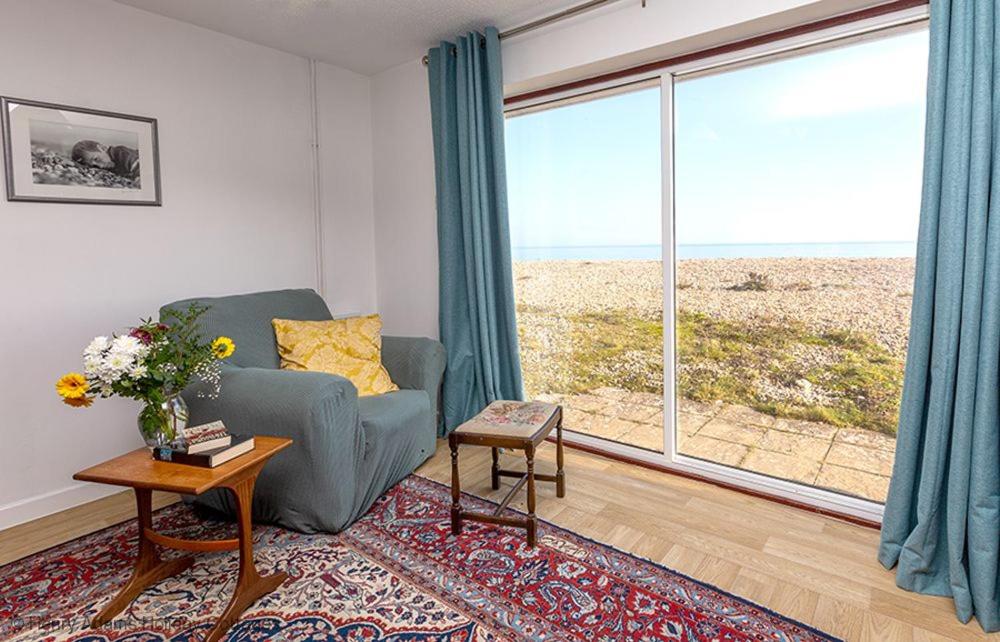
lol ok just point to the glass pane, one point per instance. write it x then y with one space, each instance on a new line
585 218
797 202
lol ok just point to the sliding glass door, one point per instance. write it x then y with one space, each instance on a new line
584 182
796 202
714 264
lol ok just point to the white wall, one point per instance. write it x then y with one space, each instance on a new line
405 227
619 36
238 214
344 111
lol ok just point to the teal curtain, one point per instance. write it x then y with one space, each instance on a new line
477 317
941 528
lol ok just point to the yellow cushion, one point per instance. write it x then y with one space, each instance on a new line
351 348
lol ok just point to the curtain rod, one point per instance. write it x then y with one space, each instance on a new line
555 17
886 8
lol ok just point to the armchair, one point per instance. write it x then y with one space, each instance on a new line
347 450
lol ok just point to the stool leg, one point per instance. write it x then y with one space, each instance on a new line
560 476
456 491
495 471
529 453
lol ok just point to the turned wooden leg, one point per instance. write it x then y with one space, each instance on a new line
560 476
456 490
495 471
529 453
149 568
250 585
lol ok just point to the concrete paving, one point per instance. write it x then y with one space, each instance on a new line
849 460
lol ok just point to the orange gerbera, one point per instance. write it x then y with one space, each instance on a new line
79 402
72 386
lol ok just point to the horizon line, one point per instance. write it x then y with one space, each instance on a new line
563 247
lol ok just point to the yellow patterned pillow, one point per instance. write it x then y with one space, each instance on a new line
351 348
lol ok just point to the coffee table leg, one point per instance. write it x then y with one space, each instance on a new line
529 454
560 476
250 585
149 568
456 490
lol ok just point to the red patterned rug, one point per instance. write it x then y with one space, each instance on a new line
395 575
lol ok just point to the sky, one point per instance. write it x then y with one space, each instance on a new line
818 148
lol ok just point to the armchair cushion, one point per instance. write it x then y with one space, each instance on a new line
399 436
350 348
417 363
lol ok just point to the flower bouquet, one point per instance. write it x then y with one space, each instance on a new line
152 363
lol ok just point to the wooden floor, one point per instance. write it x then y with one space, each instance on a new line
814 569
810 568
40 534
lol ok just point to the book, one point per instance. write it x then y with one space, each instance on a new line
199 439
240 445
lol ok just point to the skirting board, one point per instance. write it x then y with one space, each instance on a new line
25 510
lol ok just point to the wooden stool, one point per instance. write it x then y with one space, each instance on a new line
517 425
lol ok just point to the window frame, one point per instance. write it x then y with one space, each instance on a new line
781 489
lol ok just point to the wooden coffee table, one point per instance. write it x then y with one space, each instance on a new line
515 425
139 471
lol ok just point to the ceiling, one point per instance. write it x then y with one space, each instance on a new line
366 36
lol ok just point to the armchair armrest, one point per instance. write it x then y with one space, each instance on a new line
416 363
320 413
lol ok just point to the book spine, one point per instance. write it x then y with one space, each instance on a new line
162 453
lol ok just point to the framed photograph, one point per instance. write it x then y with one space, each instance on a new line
62 154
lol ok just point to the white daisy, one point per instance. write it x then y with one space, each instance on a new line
119 362
127 345
92 365
96 347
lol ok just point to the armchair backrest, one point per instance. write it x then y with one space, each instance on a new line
246 319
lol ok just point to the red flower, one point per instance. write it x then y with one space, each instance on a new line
141 335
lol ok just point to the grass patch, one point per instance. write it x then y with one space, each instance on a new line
616 350
858 384
773 368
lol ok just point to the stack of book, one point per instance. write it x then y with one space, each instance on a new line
207 445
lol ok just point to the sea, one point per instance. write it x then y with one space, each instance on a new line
876 249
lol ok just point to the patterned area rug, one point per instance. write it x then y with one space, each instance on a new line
397 574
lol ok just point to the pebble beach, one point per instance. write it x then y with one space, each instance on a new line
870 296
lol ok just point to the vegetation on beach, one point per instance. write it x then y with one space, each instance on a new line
783 369
778 367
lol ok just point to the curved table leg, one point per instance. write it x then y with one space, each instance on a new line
149 568
250 585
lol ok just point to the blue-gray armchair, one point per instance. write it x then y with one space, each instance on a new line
348 450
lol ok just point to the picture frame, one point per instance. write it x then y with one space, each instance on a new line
63 154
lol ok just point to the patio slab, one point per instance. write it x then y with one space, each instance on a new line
723 452
873 487
727 430
781 465
801 446
850 460
870 460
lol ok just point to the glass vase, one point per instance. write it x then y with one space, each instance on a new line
162 424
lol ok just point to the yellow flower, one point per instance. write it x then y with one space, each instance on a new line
72 386
223 347
79 402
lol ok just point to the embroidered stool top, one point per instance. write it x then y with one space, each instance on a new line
510 419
